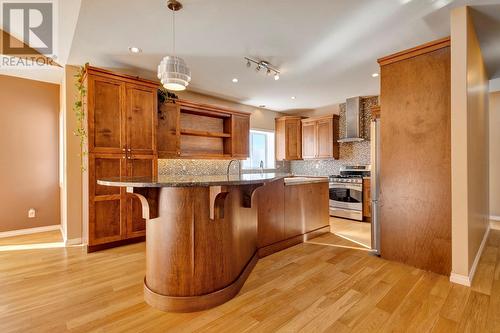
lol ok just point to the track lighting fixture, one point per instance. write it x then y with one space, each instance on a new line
260 64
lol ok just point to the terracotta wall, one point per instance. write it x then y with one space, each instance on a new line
470 143
495 155
29 146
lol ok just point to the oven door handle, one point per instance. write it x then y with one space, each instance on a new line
347 186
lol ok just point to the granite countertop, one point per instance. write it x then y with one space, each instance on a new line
187 181
297 180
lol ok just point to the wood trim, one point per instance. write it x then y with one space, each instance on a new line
128 78
312 119
375 111
415 51
284 244
198 303
207 107
104 246
19 232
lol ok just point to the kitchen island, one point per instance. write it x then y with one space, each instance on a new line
201 234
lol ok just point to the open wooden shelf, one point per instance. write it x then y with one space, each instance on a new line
192 132
205 113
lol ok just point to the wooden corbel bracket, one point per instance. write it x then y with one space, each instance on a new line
217 198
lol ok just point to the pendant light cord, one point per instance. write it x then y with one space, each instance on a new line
173 29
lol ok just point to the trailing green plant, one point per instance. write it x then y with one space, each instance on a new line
79 109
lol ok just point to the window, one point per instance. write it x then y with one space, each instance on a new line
261 149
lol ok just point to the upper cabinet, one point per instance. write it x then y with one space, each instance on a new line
319 137
121 113
288 138
190 130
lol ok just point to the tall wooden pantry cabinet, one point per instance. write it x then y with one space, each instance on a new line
122 124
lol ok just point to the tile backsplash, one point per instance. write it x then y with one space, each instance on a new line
187 167
351 153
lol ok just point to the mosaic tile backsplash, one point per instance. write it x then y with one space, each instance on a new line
205 167
351 153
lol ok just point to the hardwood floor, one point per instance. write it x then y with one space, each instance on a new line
359 232
325 286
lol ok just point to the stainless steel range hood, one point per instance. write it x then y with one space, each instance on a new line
353 123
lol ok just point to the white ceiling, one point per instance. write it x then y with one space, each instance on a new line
487 23
326 49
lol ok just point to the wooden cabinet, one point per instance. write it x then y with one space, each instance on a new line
138 166
367 202
288 138
319 137
240 141
415 157
141 117
308 139
106 127
271 213
122 124
191 130
289 214
106 204
306 208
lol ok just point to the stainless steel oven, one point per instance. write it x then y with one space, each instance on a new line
346 192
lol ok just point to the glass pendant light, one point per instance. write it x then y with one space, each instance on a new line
173 72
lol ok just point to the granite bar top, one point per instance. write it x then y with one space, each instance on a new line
298 180
191 181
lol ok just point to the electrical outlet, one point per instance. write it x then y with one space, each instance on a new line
31 213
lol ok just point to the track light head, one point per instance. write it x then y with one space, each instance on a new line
276 77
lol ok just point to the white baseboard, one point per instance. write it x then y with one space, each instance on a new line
29 231
464 280
494 218
72 242
467 280
495 224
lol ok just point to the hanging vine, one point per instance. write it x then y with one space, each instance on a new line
79 109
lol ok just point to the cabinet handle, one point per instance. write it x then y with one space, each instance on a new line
129 149
123 149
128 157
123 157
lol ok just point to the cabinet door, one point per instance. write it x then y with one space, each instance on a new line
106 126
280 140
293 142
169 130
308 140
271 213
106 203
325 138
138 166
240 136
306 208
141 116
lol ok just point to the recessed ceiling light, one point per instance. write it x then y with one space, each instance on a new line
262 106
375 75
293 97
235 80
134 49
276 77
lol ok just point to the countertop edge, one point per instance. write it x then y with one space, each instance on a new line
190 184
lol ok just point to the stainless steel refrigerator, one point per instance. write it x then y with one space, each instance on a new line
375 184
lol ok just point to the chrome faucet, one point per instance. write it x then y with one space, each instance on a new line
261 166
229 167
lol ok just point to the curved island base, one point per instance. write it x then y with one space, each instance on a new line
201 237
